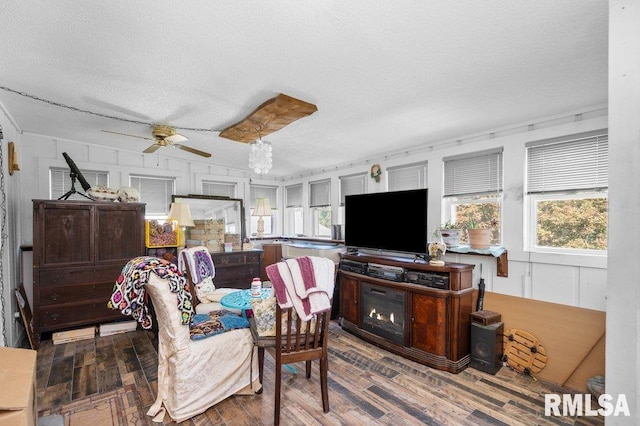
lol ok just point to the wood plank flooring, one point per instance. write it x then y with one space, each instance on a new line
367 386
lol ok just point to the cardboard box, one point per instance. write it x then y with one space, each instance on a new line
117 327
18 390
73 335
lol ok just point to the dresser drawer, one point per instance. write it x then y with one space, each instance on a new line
236 258
56 317
237 273
79 293
68 276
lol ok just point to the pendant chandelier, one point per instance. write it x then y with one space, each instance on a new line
260 156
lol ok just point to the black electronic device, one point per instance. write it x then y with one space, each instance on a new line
429 279
385 272
401 221
74 174
480 301
486 347
353 266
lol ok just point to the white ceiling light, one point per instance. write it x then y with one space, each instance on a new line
260 156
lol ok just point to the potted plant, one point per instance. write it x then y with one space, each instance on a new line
450 233
479 234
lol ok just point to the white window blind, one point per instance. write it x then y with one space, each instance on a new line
579 162
219 189
60 181
473 174
155 192
270 192
293 195
320 193
351 185
403 178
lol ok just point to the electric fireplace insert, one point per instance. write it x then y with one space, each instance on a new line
383 312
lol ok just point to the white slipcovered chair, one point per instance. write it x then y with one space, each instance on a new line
194 375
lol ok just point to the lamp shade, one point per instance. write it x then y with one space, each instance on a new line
182 213
263 208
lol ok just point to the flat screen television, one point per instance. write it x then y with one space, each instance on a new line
391 221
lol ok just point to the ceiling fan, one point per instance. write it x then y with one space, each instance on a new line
165 136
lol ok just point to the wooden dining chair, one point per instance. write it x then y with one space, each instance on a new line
298 341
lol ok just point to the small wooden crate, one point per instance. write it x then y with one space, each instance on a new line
485 317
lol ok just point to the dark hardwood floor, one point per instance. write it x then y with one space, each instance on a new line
367 386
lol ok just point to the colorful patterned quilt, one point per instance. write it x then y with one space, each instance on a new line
129 295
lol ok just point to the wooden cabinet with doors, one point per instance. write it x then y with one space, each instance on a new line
79 250
436 307
272 254
349 298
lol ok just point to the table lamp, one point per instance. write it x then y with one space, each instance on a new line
181 213
263 208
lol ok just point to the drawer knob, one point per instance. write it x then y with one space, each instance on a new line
54 317
55 279
54 296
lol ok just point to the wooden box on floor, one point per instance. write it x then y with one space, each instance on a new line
73 335
17 394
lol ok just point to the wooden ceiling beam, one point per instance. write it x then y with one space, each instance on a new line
269 117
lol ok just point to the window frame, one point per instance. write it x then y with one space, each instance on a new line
531 235
404 173
293 211
318 205
155 215
485 186
590 183
270 222
87 174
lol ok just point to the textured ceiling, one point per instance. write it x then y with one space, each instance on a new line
386 76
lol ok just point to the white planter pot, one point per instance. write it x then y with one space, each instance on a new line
451 237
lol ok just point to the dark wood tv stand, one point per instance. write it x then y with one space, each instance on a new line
437 321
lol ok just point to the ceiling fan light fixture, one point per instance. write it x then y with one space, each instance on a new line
260 156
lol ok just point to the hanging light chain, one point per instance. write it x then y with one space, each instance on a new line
98 114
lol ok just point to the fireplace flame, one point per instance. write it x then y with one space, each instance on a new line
380 317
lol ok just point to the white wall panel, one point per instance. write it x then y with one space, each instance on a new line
593 288
554 283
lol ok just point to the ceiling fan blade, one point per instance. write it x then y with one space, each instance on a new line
193 150
176 138
126 134
152 148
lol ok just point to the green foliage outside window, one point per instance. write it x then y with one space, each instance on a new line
322 222
573 223
479 215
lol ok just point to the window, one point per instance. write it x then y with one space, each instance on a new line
402 178
320 205
351 185
156 193
567 182
473 191
270 192
60 182
219 189
294 218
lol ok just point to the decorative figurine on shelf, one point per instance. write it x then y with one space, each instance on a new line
437 249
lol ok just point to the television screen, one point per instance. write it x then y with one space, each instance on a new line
391 221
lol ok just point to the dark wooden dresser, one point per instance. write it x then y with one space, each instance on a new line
79 249
236 269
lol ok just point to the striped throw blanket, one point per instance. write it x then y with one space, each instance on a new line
304 283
